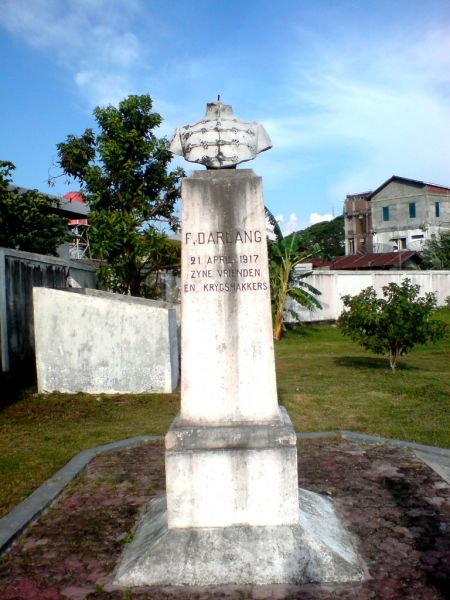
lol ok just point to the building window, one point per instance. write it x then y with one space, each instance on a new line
399 244
351 246
385 213
437 209
412 210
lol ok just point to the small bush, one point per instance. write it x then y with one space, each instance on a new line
392 324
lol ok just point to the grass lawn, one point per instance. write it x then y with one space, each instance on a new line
328 382
324 380
40 433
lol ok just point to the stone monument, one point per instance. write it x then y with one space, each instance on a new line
233 511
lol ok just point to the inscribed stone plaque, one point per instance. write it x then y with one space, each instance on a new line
228 370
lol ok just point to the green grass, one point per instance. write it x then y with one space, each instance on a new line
40 433
325 381
328 382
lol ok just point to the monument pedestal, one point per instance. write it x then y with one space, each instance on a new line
233 513
318 549
228 476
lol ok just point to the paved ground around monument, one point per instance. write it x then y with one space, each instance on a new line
397 508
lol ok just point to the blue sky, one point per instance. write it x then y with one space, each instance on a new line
351 92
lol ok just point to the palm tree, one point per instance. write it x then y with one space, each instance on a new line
285 253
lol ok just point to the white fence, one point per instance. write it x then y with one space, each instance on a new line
335 284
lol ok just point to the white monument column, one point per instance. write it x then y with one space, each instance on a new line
233 511
231 454
228 369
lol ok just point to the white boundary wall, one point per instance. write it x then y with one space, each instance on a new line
335 284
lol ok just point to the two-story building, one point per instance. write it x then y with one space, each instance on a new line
406 213
401 214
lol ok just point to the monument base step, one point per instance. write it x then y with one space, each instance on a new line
318 549
223 476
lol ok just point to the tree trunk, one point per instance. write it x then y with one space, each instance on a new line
281 300
135 286
393 359
278 326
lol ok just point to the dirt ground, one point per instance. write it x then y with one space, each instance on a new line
397 509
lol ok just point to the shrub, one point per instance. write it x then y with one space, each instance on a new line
392 324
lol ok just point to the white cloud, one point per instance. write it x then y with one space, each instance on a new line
316 218
290 225
89 38
293 223
369 110
103 88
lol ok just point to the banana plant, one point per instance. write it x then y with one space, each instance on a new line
285 253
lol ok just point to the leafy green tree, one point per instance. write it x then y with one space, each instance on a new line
123 171
27 218
329 235
392 324
436 254
284 255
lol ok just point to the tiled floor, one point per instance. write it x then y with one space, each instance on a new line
397 508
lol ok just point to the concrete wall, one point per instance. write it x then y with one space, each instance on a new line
414 239
145 301
19 273
94 342
168 285
335 284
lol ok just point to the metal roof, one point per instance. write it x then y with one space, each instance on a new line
75 197
66 207
374 260
415 182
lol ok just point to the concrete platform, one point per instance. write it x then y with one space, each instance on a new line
396 507
319 549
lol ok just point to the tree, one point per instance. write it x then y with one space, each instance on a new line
436 254
284 255
124 178
329 235
27 218
392 324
